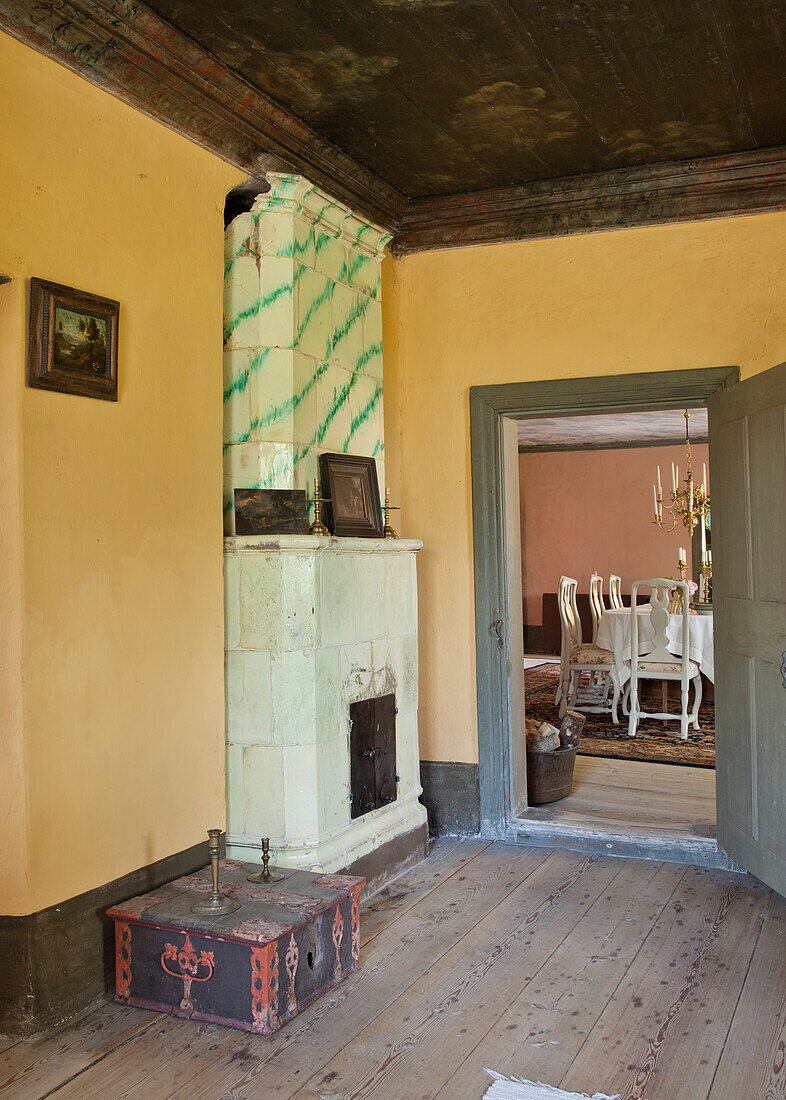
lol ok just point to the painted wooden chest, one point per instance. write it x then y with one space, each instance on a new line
255 968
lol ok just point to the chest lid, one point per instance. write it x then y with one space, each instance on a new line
267 911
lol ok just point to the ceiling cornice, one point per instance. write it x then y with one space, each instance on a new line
694 190
130 51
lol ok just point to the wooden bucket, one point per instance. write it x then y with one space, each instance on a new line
549 775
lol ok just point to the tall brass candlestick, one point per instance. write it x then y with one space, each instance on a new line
706 573
216 903
387 508
317 527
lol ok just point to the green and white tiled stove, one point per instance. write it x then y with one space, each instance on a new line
302 339
312 625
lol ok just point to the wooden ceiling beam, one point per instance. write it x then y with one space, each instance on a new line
654 194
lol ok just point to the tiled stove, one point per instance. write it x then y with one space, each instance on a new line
312 624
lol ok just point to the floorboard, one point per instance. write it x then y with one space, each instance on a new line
754 1054
667 1023
447 856
590 973
32 1067
658 797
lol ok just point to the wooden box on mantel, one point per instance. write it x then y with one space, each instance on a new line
253 969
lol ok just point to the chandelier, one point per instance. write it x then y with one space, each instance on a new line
690 502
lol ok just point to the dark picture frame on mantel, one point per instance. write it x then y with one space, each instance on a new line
72 341
351 490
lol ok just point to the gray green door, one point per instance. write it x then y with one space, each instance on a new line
747 430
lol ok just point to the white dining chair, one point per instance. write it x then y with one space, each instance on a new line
657 663
576 657
615 591
596 603
566 601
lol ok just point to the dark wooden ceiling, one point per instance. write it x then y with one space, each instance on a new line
445 96
453 122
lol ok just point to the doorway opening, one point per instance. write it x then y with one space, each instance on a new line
588 489
636 799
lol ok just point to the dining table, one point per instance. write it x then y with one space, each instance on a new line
614 633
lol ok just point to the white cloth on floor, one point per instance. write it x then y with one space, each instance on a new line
511 1088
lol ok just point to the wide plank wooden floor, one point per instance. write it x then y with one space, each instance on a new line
635 977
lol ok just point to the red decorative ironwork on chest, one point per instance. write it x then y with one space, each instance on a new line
264 988
189 965
338 936
122 960
356 928
292 956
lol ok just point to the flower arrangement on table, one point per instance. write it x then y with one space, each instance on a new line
675 597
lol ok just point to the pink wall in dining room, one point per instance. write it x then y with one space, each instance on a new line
587 511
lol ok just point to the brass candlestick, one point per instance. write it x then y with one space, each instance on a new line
317 527
387 507
683 570
265 875
706 573
217 903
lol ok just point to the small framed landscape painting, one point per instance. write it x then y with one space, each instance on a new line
351 491
271 512
72 341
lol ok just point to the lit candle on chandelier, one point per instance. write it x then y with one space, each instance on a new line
660 488
655 496
674 476
703 536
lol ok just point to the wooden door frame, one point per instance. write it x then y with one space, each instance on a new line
488 405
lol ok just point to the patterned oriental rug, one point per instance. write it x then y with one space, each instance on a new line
655 741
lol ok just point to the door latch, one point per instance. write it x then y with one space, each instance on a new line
497 628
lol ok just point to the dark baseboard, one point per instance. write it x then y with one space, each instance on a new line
533 639
389 860
451 795
60 960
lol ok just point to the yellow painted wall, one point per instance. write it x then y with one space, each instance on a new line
681 296
119 728
13 807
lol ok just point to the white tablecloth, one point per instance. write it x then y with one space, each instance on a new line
614 634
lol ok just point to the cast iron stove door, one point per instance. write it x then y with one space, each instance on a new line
372 753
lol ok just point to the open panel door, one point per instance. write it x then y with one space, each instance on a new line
747 431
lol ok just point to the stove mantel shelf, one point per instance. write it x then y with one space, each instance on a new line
317 543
